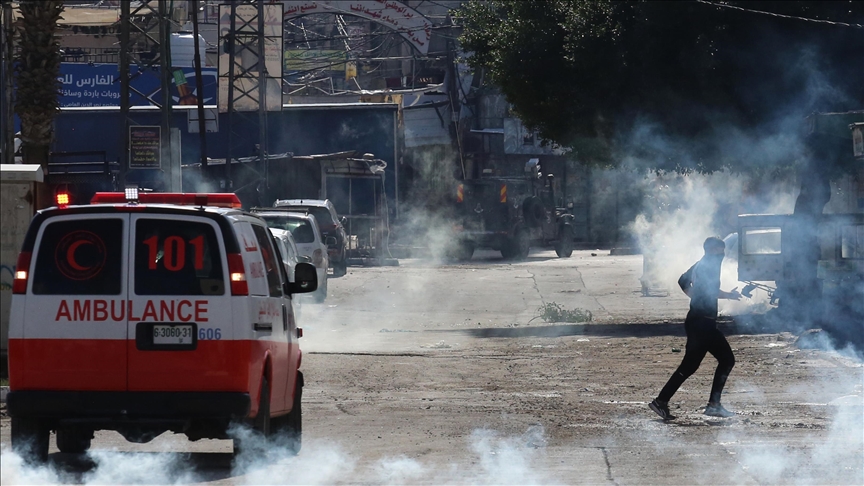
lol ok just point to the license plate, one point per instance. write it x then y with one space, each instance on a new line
173 335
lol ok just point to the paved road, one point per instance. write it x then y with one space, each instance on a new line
428 373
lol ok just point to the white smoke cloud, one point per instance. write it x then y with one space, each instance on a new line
494 459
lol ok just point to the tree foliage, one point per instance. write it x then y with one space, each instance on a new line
589 74
37 67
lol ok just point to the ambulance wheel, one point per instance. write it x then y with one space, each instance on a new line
30 439
74 441
564 247
261 424
255 438
291 425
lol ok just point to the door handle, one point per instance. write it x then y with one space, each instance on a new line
263 326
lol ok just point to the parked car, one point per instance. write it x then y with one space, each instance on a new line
290 255
307 237
330 224
162 312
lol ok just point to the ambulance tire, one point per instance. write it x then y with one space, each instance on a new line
261 424
291 425
74 441
30 439
564 247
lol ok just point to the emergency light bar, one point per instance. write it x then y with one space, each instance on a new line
220 200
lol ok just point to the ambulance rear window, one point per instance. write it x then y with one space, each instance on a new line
80 257
177 258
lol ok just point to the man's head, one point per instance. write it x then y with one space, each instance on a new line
714 246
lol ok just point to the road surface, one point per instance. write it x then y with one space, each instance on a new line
428 374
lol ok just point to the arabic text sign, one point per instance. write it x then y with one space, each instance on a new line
145 147
411 24
85 85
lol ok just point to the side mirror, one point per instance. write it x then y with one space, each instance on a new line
330 241
305 279
343 220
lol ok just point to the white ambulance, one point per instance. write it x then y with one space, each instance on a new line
151 313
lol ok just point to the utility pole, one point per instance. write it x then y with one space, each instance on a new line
199 88
150 21
166 74
246 77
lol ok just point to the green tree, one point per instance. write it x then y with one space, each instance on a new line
37 67
588 73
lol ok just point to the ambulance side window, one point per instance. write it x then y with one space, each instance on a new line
80 257
174 257
271 265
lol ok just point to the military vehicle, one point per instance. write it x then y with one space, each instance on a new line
510 214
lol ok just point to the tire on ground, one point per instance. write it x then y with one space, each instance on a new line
564 247
288 429
517 248
261 424
74 441
29 438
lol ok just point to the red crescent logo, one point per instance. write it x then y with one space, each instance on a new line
80 246
70 255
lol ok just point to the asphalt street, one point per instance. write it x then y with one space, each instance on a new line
433 373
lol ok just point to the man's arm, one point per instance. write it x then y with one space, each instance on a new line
686 280
731 295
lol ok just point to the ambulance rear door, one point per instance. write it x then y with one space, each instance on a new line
74 328
179 311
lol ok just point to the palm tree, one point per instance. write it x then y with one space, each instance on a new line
36 71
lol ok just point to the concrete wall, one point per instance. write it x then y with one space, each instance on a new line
15 214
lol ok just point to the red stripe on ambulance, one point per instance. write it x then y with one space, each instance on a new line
99 310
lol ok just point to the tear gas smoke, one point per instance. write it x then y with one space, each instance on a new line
493 459
680 211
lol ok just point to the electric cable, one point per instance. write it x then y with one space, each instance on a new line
774 14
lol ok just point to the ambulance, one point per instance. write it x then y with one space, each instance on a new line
152 312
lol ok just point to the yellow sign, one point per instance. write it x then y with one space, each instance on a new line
313 59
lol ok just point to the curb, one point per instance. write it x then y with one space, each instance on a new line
3 391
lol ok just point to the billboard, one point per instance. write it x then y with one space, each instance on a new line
88 85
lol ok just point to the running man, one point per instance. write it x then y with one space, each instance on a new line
702 284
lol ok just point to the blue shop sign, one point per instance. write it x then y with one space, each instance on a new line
84 85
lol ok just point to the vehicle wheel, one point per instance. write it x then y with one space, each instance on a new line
564 247
30 439
260 424
464 251
290 426
518 246
340 269
74 441
321 293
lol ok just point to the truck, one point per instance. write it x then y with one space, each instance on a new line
511 214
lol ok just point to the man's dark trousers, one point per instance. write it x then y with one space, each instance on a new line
702 337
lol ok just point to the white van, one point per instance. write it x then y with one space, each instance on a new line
308 237
161 312
290 254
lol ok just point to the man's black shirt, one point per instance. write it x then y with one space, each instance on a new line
703 282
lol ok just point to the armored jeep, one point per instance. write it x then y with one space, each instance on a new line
510 214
